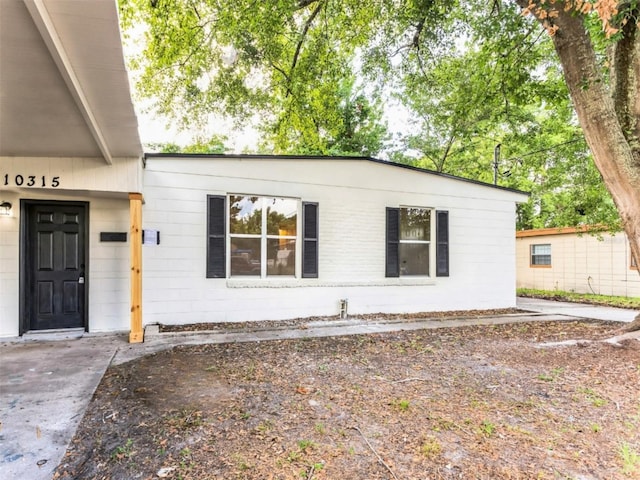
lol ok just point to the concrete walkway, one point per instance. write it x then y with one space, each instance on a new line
45 387
580 310
46 384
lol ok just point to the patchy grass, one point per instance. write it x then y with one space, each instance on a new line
589 298
470 402
630 459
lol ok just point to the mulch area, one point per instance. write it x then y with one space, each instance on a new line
475 402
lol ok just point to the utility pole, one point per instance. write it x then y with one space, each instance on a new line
496 162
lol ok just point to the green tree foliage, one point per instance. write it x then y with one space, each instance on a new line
287 62
473 75
342 122
503 87
213 145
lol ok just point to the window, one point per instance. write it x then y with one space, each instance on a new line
409 242
415 241
262 236
541 255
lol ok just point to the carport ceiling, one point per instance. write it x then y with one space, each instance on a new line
64 89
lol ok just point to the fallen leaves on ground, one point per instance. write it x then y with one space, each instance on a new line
470 402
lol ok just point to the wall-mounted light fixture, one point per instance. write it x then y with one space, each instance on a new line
5 209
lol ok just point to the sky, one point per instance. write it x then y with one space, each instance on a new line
154 129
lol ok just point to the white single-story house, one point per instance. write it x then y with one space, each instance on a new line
94 235
572 259
246 237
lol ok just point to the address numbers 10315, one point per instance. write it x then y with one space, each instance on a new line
36 181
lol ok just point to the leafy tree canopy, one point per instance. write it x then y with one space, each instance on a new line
472 74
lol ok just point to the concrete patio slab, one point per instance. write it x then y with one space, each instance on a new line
581 310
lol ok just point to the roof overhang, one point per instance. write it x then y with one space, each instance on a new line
518 195
543 232
64 87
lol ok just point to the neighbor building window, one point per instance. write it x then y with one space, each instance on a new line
541 255
409 242
262 236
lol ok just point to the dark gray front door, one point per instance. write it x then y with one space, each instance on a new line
55 265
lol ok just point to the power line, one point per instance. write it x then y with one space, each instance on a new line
552 147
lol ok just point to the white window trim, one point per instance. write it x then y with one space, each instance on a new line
289 282
531 255
263 241
431 242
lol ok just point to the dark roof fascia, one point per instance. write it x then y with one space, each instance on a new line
252 156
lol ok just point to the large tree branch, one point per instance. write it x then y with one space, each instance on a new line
415 42
305 3
625 80
303 36
447 150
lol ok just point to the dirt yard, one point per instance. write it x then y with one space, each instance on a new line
470 403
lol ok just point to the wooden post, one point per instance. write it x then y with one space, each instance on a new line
136 335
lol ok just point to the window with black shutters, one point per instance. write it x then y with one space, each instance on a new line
257 236
409 249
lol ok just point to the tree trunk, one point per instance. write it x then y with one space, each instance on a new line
615 149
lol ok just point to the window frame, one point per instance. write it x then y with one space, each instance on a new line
429 243
217 238
264 237
438 243
532 255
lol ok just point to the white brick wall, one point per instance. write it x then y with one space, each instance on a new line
352 197
9 267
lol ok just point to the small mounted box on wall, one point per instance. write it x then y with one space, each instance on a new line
113 236
150 237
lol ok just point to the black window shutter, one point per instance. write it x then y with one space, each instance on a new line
309 240
442 243
393 243
216 236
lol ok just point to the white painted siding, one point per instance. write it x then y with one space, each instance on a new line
73 174
352 197
109 277
9 268
108 269
582 263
